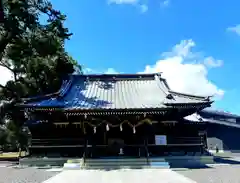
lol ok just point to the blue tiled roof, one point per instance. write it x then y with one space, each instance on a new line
133 91
219 113
199 118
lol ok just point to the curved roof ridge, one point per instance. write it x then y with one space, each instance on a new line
117 76
63 90
207 98
168 90
159 84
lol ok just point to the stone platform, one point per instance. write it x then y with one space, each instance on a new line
116 163
41 162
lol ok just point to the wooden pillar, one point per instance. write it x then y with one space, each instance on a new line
105 138
146 146
94 149
86 142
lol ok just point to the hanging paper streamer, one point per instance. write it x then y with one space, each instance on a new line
134 130
107 127
121 127
95 129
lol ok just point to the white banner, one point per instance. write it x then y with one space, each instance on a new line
161 140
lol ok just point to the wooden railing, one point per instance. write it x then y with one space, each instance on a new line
184 141
58 142
137 150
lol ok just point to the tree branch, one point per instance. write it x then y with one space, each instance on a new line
10 69
5 66
4 42
9 89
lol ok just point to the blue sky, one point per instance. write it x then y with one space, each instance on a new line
196 44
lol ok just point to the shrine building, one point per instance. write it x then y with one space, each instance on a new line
128 115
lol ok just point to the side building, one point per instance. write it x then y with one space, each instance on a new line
223 130
130 115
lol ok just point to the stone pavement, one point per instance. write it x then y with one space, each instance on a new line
226 172
215 174
120 176
23 175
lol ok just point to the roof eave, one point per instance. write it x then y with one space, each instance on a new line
75 111
206 103
60 93
195 97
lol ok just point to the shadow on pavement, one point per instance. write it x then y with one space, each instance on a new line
226 160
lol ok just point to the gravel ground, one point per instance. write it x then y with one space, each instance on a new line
215 174
24 175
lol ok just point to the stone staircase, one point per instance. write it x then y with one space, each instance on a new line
74 164
116 163
119 162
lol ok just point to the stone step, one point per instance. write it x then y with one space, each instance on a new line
75 160
116 159
157 159
39 162
72 166
115 162
128 167
133 163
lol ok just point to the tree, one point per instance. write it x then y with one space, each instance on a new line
33 52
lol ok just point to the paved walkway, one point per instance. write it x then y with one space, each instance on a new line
120 176
221 173
10 174
216 174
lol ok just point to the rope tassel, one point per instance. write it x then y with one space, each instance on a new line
121 127
95 129
107 127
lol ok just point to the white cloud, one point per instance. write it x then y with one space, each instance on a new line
6 75
98 71
235 29
211 62
111 71
165 3
88 70
123 1
143 7
188 77
185 70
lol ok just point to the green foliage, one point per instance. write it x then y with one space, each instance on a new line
34 53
